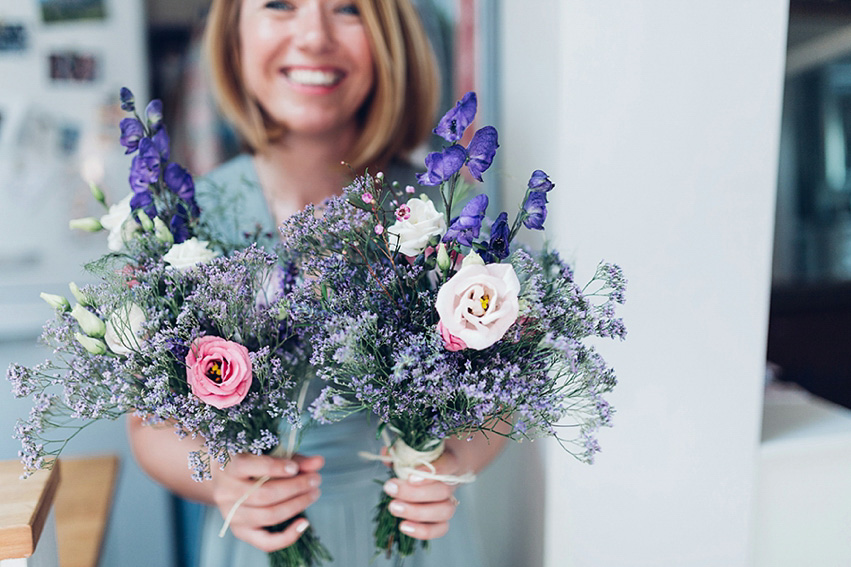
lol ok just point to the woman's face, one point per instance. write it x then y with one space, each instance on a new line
307 62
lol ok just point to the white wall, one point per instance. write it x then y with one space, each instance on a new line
659 122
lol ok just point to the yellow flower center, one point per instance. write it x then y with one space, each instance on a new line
214 373
486 300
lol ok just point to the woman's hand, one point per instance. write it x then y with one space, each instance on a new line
293 485
425 505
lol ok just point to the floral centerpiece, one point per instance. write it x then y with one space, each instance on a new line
174 331
440 325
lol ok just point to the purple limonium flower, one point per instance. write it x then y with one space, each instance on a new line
540 181
440 166
535 209
128 101
179 181
131 132
481 150
500 232
468 224
453 124
154 114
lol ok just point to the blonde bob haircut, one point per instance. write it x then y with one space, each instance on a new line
396 116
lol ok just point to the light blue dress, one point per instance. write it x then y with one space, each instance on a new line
342 518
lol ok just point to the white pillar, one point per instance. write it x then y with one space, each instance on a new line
659 122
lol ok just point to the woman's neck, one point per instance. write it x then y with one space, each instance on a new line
298 170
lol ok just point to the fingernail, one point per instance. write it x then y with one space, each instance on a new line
302 526
407 528
314 481
391 488
291 469
396 507
415 479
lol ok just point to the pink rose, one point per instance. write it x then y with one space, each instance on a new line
478 304
450 341
218 371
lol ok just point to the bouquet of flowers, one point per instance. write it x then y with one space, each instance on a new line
441 326
173 331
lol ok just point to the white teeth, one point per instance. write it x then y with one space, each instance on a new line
313 77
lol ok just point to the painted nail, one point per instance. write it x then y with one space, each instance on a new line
302 526
407 528
391 488
314 481
291 469
415 479
396 507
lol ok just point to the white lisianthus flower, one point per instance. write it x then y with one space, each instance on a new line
189 253
123 329
413 233
119 223
478 304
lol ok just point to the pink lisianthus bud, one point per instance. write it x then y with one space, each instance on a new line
450 341
379 229
218 371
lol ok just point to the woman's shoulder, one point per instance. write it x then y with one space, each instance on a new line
234 172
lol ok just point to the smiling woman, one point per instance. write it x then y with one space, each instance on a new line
309 84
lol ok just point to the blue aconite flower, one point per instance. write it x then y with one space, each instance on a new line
128 101
131 132
481 150
144 200
161 142
540 181
440 166
453 124
154 114
179 225
500 232
179 181
145 167
469 223
535 209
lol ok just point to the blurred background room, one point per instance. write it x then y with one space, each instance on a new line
704 147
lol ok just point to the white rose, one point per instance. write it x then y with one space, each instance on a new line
119 224
479 303
412 235
189 253
123 329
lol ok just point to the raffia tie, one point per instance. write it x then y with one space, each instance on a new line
276 452
405 461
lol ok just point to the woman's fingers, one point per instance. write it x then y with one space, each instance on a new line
430 513
268 541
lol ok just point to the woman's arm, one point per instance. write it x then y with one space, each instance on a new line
428 505
292 487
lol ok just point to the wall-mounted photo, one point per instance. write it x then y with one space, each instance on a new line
73 66
53 11
13 37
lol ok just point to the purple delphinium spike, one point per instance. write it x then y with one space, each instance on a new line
453 124
161 142
481 150
179 226
440 166
535 209
540 181
469 223
131 132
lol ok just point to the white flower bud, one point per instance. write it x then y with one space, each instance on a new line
94 346
162 232
89 224
89 322
78 294
55 301
145 221
97 194
443 260
472 259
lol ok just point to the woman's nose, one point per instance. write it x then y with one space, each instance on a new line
314 32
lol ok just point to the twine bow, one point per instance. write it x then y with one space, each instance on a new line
405 461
